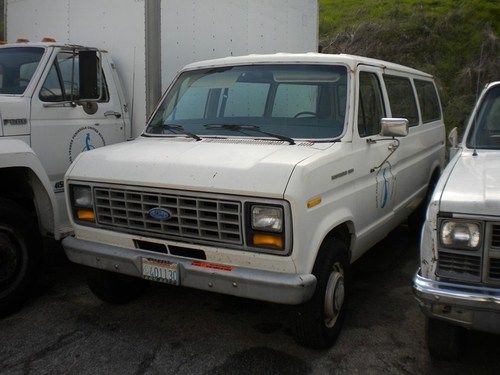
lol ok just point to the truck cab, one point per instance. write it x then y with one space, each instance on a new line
56 101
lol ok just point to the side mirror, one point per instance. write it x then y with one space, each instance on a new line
453 138
90 71
394 127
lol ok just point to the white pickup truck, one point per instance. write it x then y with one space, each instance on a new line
262 176
458 283
44 125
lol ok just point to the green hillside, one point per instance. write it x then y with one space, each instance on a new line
456 41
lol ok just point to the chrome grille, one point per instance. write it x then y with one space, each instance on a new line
461 266
201 218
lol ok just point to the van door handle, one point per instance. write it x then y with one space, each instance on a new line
112 113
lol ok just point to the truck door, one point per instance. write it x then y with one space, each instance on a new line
60 131
376 182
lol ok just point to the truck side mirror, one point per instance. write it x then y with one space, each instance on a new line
394 127
90 71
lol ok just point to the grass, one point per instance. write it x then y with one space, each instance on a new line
456 41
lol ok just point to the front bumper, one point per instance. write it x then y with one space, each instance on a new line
291 289
474 307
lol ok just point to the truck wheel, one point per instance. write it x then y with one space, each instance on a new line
113 287
318 321
445 341
20 255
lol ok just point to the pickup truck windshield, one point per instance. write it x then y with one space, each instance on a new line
485 131
294 101
17 66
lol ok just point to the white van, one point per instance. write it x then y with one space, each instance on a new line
262 176
458 283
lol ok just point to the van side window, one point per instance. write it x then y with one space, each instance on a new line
428 100
58 85
401 98
370 106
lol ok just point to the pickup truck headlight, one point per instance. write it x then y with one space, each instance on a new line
82 203
460 234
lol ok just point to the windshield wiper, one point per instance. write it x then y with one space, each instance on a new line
255 128
177 129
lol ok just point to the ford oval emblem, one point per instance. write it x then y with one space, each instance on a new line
159 214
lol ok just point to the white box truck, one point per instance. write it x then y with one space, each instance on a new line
48 114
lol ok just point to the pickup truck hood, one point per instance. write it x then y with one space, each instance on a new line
473 186
231 166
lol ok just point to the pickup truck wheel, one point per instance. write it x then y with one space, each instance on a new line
445 341
318 321
20 255
113 287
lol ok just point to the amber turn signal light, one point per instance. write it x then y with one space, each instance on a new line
85 215
268 240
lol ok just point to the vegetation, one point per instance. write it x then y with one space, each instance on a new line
455 40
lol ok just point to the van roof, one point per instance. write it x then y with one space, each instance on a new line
305 58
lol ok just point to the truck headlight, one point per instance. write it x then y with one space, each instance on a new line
267 218
460 234
82 203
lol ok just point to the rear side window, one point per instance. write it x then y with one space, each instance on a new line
401 98
370 106
428 100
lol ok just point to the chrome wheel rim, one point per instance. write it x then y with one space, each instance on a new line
334 295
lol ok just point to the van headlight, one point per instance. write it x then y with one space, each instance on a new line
267 218
460 234
82 203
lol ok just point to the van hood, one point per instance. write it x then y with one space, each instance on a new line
473 186
230 166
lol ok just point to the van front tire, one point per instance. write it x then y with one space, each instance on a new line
20 255
318 321
114 288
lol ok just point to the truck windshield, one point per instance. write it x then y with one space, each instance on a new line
294 101
17 66
485 130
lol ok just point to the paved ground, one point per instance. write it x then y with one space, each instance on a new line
172 330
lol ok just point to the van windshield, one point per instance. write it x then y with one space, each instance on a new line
295 101
485 131
17 66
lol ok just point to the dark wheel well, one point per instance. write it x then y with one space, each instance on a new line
343 232
16 187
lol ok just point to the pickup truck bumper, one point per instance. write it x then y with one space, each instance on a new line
473 307
291 289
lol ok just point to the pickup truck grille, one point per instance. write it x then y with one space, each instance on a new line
494 269
459 266
203 219
495 236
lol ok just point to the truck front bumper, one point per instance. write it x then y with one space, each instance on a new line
291 289
474 307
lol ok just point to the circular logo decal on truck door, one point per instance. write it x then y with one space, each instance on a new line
85 139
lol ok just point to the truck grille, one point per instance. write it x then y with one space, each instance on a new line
494 271
459 266
495 236
199 218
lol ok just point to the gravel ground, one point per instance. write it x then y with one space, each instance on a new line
65 329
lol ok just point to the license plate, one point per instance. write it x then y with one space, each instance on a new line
161 271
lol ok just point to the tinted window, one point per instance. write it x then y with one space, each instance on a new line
428 100
401 98
17 66
296 100
370 105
